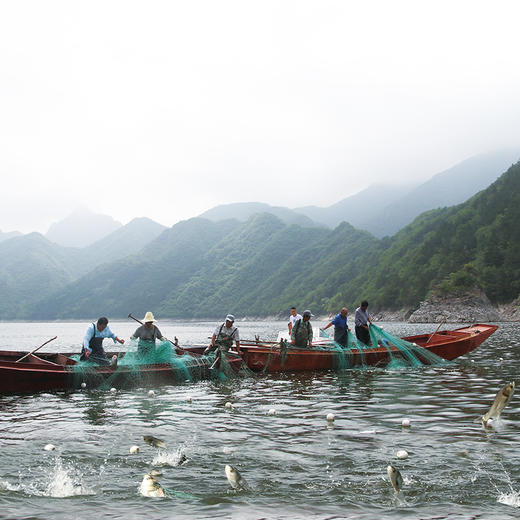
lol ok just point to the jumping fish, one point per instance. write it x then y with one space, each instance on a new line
154 441
501 401
151 488
395 478
236 480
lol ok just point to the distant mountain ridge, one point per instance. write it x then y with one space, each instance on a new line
384 210
448 188
356 209
242 211
81 228
203 269
9 234
32 267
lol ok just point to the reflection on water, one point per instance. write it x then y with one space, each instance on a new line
297 464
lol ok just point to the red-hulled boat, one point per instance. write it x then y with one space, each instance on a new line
447 344
49 372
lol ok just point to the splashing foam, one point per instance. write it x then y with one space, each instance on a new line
6 486
168 458
62 484
510 499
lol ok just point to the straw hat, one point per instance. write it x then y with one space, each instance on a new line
148 317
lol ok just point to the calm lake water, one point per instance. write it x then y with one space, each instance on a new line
296 464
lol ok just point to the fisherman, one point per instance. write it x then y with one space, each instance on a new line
301 334
147 335
224 336
293 318
93 343
341 329
361 321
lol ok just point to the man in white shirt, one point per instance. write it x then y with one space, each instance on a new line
293 318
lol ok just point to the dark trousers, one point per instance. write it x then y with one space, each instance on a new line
341 337
362 334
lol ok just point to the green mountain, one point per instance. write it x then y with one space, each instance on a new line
203 269
245 210
124 241
32 267
357 209
384 210
450 187
474 244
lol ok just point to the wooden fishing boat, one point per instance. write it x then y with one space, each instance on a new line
56 371
447 344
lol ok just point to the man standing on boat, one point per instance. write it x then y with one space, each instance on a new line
293 318
301 334
93 343
341 329
224 336
361 321
147 335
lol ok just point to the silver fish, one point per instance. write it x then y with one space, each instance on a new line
236 480
151 488
154 441
395 477
501 401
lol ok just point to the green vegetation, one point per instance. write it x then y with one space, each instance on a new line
204 269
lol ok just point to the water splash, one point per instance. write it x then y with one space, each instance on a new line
63 484
510 499
168 458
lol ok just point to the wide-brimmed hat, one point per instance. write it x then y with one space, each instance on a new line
230 318
148 317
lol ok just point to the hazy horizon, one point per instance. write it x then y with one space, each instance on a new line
167 110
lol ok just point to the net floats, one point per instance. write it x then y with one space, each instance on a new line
402 454
405 423
134 449
271 411
49 447
229 405
331 417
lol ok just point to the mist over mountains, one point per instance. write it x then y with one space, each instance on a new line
261 264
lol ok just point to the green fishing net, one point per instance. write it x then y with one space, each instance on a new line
399 353
149 364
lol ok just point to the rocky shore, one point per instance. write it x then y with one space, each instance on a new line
471 308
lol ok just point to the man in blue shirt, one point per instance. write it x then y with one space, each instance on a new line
93 342
340 327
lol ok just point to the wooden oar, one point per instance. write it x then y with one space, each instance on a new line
33 351
436 330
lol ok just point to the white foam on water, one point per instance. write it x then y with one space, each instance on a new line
62 484
510 499
168 458
6 486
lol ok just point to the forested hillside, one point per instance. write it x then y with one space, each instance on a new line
204 269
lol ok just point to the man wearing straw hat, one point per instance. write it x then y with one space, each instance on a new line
147 334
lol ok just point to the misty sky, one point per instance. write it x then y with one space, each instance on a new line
165 109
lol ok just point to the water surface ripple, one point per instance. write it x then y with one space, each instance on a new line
297 465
